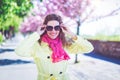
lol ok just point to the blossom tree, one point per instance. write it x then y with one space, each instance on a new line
77 10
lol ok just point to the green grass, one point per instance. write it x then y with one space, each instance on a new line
103 37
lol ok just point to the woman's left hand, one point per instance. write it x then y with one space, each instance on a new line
67 31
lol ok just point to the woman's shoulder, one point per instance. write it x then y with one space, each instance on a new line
41 46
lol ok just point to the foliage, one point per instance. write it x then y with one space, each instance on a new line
70 8
11 11
30 24
78 10
1 38
12 21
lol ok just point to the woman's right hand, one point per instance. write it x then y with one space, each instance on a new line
41 29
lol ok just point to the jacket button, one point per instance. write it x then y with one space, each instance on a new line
51 74
60 73
48 57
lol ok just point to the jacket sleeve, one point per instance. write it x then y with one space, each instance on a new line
80 45
25 48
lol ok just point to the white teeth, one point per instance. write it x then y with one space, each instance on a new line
53 34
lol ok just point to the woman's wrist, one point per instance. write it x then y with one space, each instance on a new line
70 34
74 37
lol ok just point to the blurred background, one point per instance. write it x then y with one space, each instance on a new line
96 20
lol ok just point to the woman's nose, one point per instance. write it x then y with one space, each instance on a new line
53 30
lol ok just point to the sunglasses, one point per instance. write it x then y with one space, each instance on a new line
50 28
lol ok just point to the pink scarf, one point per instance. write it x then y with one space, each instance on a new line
58 53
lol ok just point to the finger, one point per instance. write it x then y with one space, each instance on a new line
63 27
42 28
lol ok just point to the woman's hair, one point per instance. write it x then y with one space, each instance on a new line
61 34
52 17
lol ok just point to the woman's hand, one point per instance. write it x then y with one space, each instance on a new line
41 29
67 31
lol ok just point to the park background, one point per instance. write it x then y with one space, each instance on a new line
95 20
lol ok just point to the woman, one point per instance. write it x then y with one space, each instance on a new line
50 47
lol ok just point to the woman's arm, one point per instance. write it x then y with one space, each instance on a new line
25 48
80 45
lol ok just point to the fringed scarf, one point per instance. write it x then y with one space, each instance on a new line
58 53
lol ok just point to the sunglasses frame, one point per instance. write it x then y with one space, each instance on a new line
50 28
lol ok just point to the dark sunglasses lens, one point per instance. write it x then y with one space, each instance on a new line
57 28
49 28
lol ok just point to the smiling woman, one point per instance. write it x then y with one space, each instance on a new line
53 29
49 47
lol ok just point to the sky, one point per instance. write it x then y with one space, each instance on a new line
108 25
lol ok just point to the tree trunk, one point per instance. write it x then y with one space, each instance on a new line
78 30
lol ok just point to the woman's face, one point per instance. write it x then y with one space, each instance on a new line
53 29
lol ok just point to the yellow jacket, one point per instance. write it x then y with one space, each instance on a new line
47 70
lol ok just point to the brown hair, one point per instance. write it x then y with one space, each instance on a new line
61 34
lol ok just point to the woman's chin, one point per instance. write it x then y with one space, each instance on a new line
53 37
